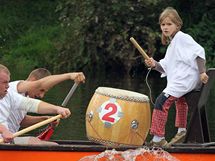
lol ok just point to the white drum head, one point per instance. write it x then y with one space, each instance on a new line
122 94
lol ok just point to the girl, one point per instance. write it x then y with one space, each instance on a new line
184 67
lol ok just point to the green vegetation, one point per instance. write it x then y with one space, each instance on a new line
30 34
65 35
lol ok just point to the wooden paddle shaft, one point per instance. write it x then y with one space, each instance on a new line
139 48
35 126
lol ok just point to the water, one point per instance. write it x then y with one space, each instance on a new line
138 154
73 128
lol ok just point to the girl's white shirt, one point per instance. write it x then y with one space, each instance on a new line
180 65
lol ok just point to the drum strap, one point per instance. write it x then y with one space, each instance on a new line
94 130
138 134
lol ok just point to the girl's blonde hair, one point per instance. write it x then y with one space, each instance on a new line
171 13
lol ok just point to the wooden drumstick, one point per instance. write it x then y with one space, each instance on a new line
139 48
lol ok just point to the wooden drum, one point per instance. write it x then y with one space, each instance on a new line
117 117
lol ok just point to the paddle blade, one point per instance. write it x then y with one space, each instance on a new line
48 132
46 135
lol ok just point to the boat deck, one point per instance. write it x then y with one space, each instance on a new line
73 150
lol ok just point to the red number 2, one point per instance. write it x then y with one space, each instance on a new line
107 116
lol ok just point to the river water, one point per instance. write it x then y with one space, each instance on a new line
74 128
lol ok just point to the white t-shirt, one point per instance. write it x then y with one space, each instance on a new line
180 65
13 86
14 101
17 115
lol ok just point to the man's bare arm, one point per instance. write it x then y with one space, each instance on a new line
31 120
50 81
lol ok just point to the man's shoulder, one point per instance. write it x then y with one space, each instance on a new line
13 95
10 97
11 100
14 85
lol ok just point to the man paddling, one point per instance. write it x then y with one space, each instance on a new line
10 100
36 85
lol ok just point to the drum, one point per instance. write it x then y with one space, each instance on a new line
117 117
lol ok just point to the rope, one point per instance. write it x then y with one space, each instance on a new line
138 134
150 91
94 130
100 140
108 142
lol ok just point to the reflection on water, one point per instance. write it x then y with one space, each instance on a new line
74 127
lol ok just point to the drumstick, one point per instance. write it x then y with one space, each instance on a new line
139 48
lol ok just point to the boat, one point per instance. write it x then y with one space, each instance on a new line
196 147
74 150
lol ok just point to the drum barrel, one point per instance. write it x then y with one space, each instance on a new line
117 117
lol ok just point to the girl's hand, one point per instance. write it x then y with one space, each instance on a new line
204 78
150 62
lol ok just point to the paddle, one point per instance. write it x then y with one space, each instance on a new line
139 48
48 132
35 126
69 95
